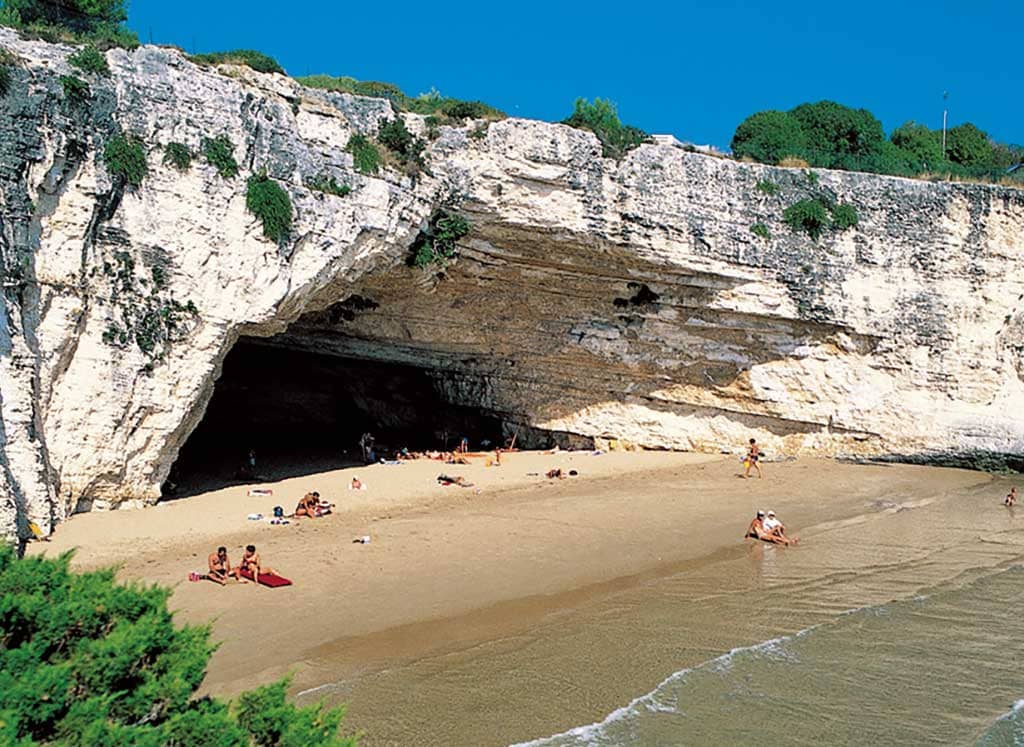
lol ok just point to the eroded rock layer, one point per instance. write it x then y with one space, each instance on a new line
593 298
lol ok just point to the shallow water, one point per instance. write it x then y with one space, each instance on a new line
897 623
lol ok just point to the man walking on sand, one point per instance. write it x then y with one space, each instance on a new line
753 456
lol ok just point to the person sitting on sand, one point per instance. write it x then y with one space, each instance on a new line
251 562
753 455
356 484
220 567
757 530
554 474
1011 497
775 528
308 505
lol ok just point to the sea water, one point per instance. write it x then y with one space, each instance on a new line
917 642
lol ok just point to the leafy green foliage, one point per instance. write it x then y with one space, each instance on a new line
178 155
90 60
769 137
830 135
767 187
258 61
87 661
98 21
126 158
438 242
329 185
365 155
844 216
432 103
76 90
265 199
394 136
810 216
220 153
602 119
761 230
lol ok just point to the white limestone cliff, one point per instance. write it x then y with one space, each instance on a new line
626 300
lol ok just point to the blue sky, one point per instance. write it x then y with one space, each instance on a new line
693 69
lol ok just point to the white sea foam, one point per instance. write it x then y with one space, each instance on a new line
587 734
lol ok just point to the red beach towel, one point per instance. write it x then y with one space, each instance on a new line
267 579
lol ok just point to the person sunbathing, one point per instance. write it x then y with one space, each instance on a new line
220 567
456 480
554 474
308 505
251 563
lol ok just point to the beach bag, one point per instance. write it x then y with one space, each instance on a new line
278 512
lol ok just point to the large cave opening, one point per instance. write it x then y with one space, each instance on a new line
302 412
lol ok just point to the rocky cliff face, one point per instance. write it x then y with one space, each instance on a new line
592 298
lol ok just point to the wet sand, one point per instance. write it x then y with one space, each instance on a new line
492 616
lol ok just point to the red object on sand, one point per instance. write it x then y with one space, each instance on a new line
267 579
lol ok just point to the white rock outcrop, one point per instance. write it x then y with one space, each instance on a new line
626 300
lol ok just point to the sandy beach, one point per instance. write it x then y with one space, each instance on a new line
474 615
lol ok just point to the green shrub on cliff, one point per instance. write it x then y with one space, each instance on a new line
602 119
438 242
394 136
810 216
7 63
76 90
98 21
265 199
87 661
177 155
844 216
329 185
365 156
126 159
220 153
90 60
258 61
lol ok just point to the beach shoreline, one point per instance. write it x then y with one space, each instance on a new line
450 570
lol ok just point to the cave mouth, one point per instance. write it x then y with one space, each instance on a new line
302 413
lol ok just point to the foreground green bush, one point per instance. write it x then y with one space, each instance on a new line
258 61
87 661
126 158
265 199
602 119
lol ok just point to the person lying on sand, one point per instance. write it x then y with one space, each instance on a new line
1011 497
308 505
456 480
554 474
251 562
220 567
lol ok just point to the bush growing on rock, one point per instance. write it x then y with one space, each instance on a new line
98 21
125 158
76 90
220 153
329 185
365 156
844 216
394 136
258 61
85 660
7 63
177 155
810 216
438 242
90 60
265 199
602 119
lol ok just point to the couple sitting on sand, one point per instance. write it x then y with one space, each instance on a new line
311 506
221 570
767 528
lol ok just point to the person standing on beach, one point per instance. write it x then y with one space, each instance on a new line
753 456
1010 498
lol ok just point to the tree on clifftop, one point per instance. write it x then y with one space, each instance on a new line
768 137
87 661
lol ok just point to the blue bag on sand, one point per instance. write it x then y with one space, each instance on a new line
278 512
